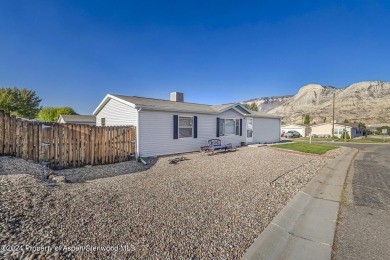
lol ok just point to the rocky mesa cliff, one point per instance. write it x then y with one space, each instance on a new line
367 102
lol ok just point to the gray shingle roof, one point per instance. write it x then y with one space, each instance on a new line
78 118
160 103
151 103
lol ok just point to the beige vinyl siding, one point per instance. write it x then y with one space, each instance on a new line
156 132
117 113
266 130
326 129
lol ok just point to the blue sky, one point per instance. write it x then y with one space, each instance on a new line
72 53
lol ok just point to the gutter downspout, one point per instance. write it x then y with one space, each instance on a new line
137 150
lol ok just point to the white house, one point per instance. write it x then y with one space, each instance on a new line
174 126
325 129
76 119
294 127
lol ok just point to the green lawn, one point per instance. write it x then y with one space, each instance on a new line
307 148
370 140
360 140
316 139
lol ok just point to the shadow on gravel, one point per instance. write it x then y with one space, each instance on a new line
11 165
89 173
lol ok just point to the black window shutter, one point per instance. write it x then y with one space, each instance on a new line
240 127
175 127
195 127
217 126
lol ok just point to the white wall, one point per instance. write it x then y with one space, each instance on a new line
156 132
298 129
266 130
117 113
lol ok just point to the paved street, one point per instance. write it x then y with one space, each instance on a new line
364 231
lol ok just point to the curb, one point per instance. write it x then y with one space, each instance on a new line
305 227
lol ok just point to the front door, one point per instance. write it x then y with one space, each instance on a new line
249 130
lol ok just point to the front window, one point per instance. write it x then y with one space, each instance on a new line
185 126
229 127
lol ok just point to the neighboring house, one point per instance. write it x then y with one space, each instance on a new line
174 126
373 128
294 127
326 129
77 119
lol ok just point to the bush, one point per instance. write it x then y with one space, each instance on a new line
343 135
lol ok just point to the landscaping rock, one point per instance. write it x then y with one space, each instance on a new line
203 207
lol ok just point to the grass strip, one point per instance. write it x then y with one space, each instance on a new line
307 148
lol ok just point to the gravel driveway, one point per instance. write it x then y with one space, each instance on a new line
203 207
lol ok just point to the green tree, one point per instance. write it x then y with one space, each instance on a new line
346 121
51 114
19 102
283 123
324 120
307 119
362 126
252 106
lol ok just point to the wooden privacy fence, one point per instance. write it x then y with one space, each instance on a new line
65 145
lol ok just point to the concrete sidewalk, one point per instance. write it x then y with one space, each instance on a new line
305 227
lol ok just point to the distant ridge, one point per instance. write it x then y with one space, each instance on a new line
367 102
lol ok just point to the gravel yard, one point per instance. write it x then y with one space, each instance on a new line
203 207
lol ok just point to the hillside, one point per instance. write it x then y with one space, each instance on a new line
367 102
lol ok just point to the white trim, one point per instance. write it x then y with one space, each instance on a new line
105 101
178 127
137 149
233 106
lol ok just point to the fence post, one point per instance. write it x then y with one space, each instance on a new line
2 132
7 133
36 142
13 136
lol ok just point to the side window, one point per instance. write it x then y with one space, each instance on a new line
103 121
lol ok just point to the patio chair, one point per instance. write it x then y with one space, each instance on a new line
214 145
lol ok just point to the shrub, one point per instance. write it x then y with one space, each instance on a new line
343 135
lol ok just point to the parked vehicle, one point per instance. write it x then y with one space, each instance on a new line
292 134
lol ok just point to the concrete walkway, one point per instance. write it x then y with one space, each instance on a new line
305 228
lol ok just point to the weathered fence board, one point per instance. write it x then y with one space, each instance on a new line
65 145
